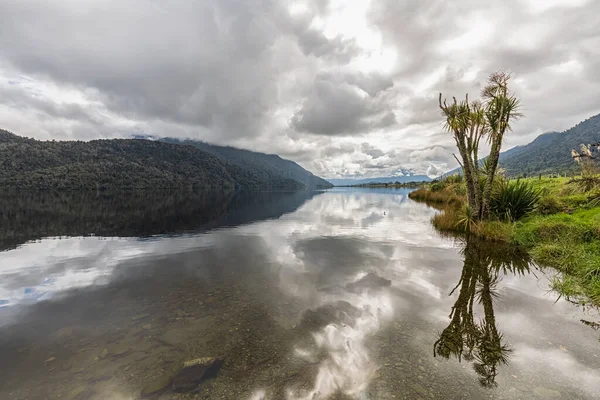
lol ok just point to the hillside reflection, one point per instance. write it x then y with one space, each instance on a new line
26 216
480 341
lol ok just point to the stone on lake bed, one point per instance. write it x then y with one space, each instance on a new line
140 316
64 333
157 386
120 350
195 372
186 378
546 393
104 353
78 393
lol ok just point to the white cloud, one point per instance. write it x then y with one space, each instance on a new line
298 78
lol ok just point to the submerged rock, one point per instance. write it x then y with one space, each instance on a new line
120 350
185 378
140 316
195 372
157 386
79 393
104 354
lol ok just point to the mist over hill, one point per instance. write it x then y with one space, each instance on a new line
265 166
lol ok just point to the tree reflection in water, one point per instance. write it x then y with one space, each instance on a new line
480 341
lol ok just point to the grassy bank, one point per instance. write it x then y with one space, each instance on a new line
563 231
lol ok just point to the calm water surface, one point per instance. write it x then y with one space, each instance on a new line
346 294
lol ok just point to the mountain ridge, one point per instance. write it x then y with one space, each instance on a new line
29 164
549 152
265 165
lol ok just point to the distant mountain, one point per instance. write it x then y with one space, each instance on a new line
548 153
387 179
503 156
551 152
28 164
266 166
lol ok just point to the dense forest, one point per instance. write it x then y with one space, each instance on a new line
551 152
28 164
266 166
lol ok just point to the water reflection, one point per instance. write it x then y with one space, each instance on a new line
480 341
340 297
26 216
89 224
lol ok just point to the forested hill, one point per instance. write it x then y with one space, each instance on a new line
551 152
266 166
28 164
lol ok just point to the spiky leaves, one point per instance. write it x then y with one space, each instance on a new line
501 109
467 123
512 201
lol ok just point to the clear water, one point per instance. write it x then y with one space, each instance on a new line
344 294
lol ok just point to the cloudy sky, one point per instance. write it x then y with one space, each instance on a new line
345 88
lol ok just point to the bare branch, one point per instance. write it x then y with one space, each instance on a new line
456 158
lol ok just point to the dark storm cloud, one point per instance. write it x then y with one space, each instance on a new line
371 150
339 149
314 42
20 98
206 63
372 83
336 107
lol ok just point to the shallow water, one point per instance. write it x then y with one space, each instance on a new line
345 294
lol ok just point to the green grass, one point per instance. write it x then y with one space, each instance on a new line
563 233
446 195
554 185
495 231
571 244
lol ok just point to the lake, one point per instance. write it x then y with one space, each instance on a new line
341 294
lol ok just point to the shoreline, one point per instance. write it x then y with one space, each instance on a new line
562 233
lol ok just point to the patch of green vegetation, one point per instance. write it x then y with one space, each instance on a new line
569 243
442 192
551 152
549 204
514 200
563 232
495 230
131 164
